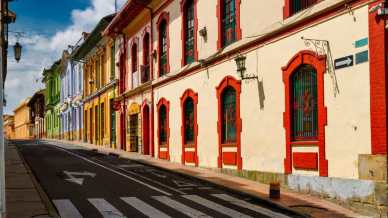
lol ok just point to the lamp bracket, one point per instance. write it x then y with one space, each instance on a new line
322 47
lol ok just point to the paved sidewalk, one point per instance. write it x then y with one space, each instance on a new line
307 204
22 195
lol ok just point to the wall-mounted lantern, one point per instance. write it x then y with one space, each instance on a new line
154 54
17 49
240 62
203 33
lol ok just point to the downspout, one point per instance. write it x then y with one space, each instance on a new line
152 78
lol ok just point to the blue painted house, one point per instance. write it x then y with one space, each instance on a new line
71 105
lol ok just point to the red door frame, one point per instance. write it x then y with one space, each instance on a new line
319 63
189 157
122 126
164 154
229 158
146 128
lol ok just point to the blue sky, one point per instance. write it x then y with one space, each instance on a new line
45 16
49 26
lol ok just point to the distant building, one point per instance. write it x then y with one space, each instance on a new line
9 126
71 105
37 106
98 55
52 95
23 124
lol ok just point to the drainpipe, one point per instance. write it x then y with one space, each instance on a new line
152 78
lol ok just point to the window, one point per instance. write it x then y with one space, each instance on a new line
96 123
97 66
189 32
163 44
146 58
163 125
304 104
112 61
189 121
292 7
134 57
298 5
228 109
103 69
102 110
228 14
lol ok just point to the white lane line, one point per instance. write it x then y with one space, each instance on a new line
114 171
249 206
214 206
105 208
144 208
188 211
66 208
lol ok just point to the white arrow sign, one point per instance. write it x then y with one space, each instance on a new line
347 61
76 180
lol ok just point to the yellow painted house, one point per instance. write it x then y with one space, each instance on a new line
23 125
99 86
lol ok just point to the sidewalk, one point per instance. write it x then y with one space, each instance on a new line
22 194
303 203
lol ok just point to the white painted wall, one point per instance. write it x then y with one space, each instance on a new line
263 135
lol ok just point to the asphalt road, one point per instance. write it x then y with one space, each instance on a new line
84 183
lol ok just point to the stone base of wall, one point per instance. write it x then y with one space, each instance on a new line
364 196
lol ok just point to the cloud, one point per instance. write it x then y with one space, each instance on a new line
40 51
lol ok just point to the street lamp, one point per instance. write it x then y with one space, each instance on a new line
17 49
240 62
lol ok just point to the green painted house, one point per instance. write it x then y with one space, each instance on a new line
52 82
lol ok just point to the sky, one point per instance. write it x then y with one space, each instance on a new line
47 27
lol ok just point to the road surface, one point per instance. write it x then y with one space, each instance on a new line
84 183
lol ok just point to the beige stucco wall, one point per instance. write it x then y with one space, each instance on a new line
263 135
22 120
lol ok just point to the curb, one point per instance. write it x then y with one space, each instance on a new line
52 212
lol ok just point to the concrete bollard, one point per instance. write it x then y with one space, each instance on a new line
274 190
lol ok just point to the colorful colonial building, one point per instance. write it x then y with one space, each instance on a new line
23 125
52 82
37 109
99 86
291 90
71 106
9 126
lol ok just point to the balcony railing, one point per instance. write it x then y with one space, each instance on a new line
299 5
145 73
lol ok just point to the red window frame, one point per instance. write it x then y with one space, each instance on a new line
183 32
229 158
134 55
220 5
164 154
305 57
288 11
189 156
164 16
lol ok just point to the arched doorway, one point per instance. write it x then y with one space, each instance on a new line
146 129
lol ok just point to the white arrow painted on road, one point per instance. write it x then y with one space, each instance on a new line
157 173
76 180
181 183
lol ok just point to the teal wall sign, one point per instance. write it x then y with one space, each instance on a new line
361 42
362 57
